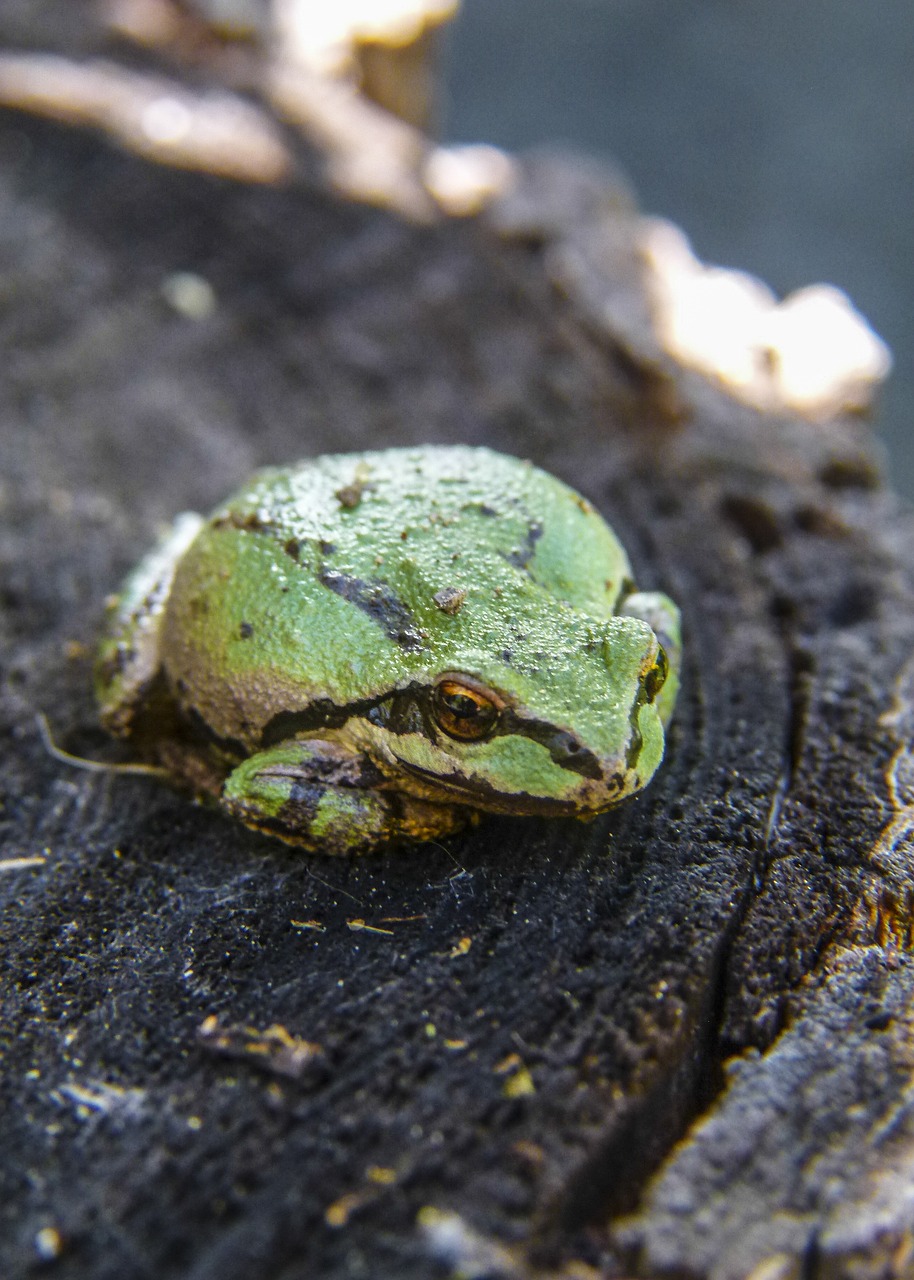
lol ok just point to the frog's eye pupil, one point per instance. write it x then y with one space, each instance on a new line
461 706
463 712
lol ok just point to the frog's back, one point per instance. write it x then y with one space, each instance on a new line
321 583
441 503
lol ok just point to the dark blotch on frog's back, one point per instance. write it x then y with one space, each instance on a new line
521 556
380 603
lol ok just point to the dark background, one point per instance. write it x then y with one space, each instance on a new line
778 135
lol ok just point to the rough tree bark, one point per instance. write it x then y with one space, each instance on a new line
676 1041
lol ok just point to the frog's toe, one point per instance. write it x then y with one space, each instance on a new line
304 812
303 793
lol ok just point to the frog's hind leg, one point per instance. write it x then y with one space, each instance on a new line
129 657
319 795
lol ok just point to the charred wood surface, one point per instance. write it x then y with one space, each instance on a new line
537 1013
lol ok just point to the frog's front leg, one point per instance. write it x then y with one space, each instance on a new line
320 795
662 616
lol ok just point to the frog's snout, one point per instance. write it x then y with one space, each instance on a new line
642 655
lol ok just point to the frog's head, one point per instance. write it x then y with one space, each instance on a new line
569 731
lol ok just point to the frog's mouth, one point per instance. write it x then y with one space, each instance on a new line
482 795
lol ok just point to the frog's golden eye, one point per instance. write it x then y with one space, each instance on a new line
464 711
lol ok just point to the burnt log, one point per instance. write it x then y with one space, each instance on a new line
674 1041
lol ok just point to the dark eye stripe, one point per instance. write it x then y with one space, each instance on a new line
564 748
408 710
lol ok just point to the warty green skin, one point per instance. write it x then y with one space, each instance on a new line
282 655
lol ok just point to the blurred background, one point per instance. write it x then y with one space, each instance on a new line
778 135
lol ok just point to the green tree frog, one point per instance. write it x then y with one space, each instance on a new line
376 647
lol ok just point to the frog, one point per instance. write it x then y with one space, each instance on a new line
372 649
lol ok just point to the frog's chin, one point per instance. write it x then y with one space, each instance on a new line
479 794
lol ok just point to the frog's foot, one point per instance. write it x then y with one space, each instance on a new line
319 795
662 616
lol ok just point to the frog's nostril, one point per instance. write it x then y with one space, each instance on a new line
569 753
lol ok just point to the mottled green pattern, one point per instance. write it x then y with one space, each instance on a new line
312 601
